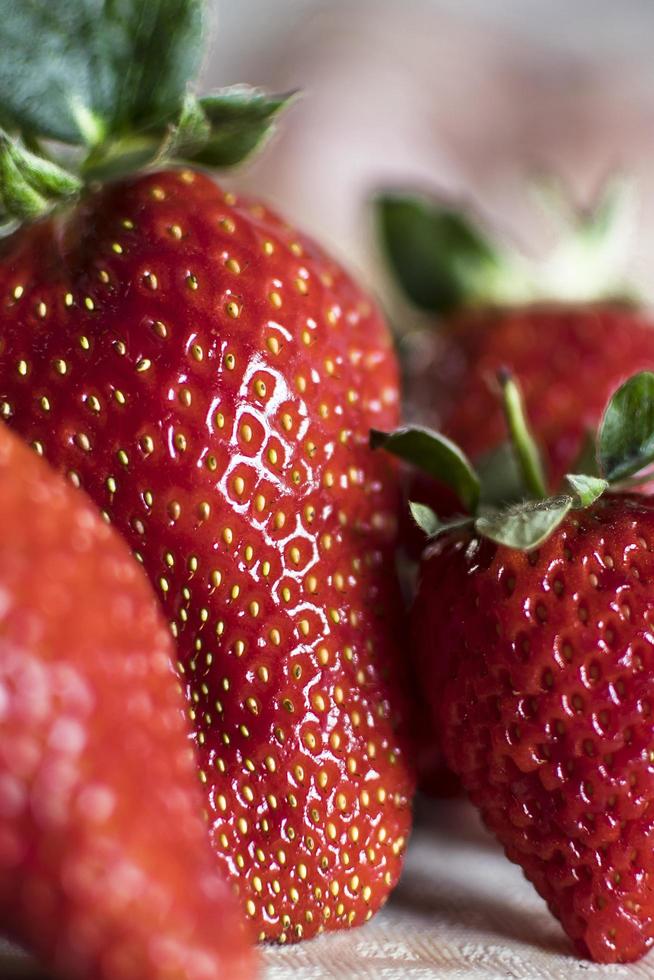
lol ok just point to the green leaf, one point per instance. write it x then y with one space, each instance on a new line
525 525
431 524
78 70
240 118
500 477
435 455
524 445
626 436
30 185
587 489
440 259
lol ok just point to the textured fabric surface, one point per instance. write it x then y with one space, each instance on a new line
461 912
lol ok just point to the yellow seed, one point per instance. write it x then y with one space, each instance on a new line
273 344
268 248
117 248
239 485
144 364
88 303
275 299
119 397
228 535
216 577
233 266
233 309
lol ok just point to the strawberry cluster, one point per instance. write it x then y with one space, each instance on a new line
208 713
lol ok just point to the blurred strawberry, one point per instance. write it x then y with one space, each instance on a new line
105 866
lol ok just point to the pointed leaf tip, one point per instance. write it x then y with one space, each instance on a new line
626 435
431 524
434 454
587 489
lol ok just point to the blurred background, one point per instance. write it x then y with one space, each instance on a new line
466 97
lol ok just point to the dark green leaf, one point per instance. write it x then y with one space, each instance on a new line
240 117
587 489
434 454
430 523
440 259
526 525
77 70
500 477
626 437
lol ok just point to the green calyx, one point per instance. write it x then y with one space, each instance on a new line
97 89
444 261
505 499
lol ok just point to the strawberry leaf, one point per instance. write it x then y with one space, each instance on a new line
626 436
29 185
79 71
239 119
435 455
525 525
440 259
587 489
431 524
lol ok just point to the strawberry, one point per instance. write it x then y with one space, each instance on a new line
209 376
105 867
570 343
534 648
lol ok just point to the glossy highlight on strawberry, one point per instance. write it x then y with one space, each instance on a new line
105 866
209 377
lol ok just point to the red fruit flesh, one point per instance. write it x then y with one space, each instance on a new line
540 671
210 377
105 867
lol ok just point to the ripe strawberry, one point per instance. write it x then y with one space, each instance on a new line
493 311
105 868
534 648
570 353
541 670
209 377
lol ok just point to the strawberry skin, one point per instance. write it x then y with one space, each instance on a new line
540 671
569 359
209 377
105 867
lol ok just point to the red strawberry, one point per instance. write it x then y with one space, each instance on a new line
209 376
534 648
495 313
105 869
569 355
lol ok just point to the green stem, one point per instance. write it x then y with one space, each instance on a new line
522 440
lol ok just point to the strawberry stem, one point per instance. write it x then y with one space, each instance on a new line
522 440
